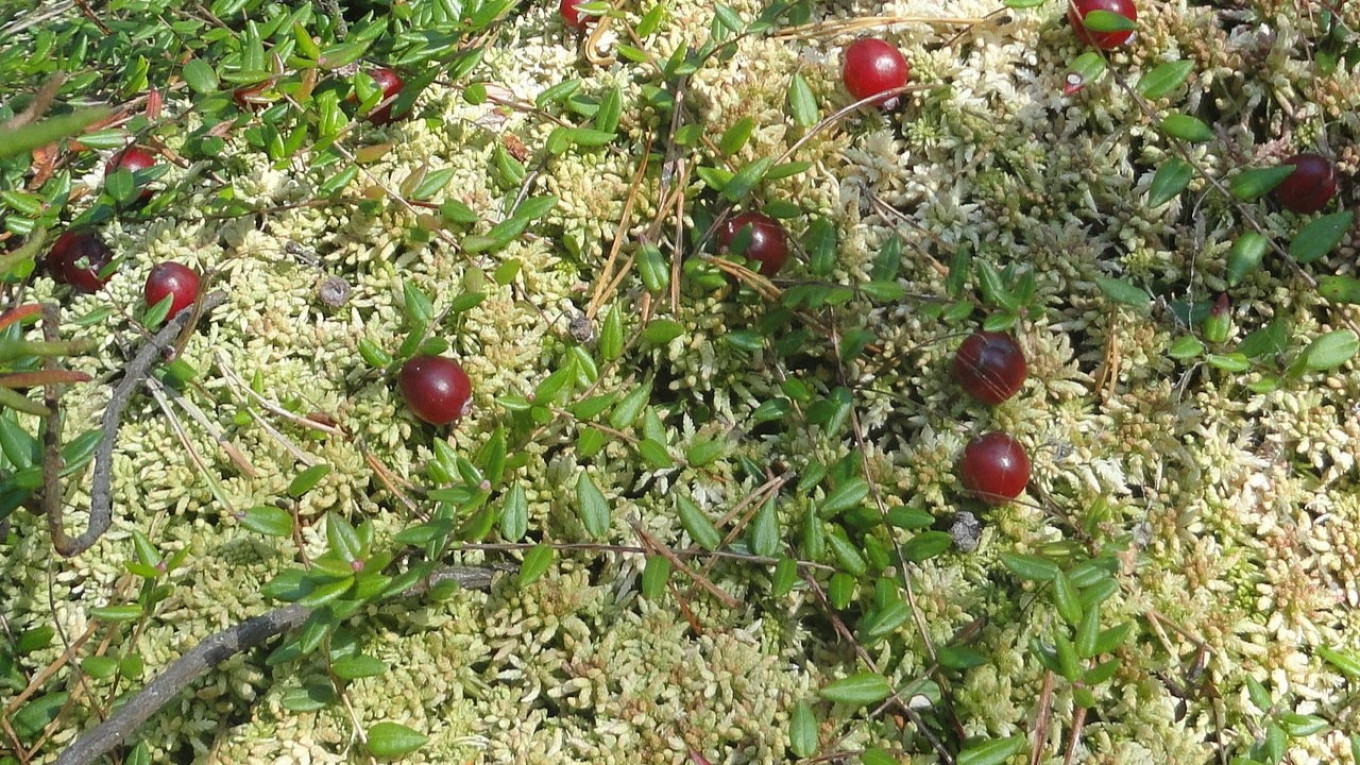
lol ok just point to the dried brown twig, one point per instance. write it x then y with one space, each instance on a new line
101 496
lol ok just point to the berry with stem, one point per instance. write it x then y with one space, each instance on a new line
990 366
77 258
874 67
995 468
175 280
768 242
1077 11
436 388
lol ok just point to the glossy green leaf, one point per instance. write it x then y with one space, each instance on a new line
592 507
389 739
992 752
655 574
1254 183
515 514
764 530
1165 78
1101 20
803 733
844 497
1122 292
1330 350
858 689
1245 256
1320 236
1171 179
200 76
1030 567
802 102
1186 128
266 519
536 563
697 524
356 666
1347 663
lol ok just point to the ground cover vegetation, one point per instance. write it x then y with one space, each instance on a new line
967 382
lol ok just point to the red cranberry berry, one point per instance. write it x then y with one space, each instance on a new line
132 159
995 468
171 279
389 82
437 389
990 366
1310 187
1076 14
77 257
872 66
572 16
768 244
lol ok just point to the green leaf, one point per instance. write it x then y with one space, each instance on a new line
653 268
764 530
1299 726
1083 71
877 756
882 623
200 76
592 508
1112 638
992 752
1186 128
926 545
697 524
1121 291
1330 350
858 689
1030 567
30 137
1067 599
803 730
1107 21
662 331
1231 362
655 453
127 613
847 556
1165 78
1245 256
1348 664
1185 347
356 666
342 539
736 136
1340 289
844 497
1320 236
1255 183
514 514
611 107
746 179
536 563
655 575
802 104
1170 180
389 739
269 520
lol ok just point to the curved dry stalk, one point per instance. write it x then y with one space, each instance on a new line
214 650
101 496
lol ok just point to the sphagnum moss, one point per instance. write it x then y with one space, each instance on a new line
1240 507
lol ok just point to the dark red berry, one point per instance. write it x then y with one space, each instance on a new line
872 66
132 159
77 257
171 279
768 243
572 16
437 389
1310 187
1076 14
990 366
995 468
389 82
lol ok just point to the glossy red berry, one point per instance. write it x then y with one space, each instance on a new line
995 468
171 279
1076 14
1310 187
389 82
132 159
437 389
990 366
77 257
572 16
873 66
768 244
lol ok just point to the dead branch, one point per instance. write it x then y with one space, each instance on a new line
101 496
214 650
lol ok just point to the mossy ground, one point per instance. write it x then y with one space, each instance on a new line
1234 515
